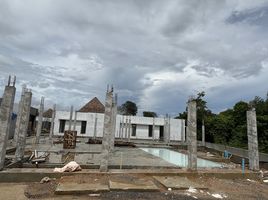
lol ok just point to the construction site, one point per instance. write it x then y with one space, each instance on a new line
95 153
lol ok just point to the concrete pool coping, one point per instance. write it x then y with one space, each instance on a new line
36 174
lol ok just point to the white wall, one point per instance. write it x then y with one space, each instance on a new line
177 126
88 117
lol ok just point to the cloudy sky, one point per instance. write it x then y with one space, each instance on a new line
155 52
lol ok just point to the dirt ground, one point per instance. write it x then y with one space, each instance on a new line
226 188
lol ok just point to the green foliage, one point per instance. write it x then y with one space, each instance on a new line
128 108
149 114
230 126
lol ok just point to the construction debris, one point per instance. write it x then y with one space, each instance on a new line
38 157
69 139
45 180
70 167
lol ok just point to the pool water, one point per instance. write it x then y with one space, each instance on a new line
179 159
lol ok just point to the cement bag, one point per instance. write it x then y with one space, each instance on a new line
70 167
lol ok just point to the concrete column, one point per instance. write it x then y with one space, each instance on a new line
15 139
126 128
153 129
19 154
114 113
75 117
203 134
120 129
106 131
191 135
166 129
6 109
51 133
40 120
129 129
71 118
95 126
182 130
253 151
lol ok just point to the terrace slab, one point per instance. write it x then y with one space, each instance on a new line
133 183
81 188
177 182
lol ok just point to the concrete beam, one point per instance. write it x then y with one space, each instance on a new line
253 151
191 135
6 109
25 114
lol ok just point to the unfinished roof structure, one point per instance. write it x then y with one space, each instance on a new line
48 113
94 106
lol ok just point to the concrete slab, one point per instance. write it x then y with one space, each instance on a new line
132 183
177 182
81 188
12 191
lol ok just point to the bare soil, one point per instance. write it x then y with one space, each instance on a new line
238 189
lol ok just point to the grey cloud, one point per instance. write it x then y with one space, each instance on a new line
50 46
256 16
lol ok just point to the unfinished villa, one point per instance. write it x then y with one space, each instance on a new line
98 152
89 122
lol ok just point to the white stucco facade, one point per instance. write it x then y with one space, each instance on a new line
146 127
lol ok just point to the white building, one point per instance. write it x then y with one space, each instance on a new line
90 124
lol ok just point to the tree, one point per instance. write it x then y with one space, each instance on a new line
128 108
149 114
202 113
230 126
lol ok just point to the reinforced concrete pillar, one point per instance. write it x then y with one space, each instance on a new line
114 113
25 114
191 135
15 139
6 109
40 120
203 134
153 129
126 128
95 126
129 129
71 118
253 151
182 131
106 131
166 129
51 133
75 118
120 129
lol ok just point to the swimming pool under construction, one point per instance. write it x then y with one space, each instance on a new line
142 156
